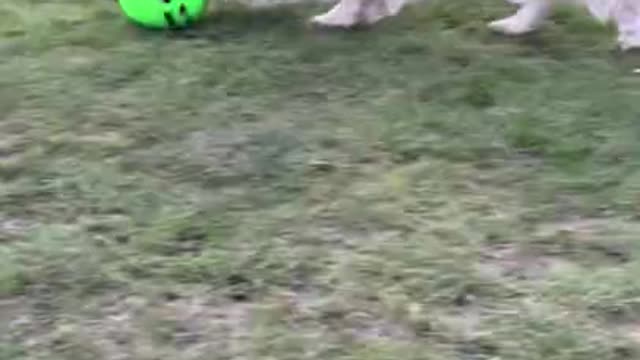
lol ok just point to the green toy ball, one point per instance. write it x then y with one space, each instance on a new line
164 14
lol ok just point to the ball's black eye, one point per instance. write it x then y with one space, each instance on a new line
166 1
183 10
169 19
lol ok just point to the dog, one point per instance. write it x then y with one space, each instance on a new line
625 14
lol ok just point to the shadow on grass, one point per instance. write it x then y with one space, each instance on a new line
237 21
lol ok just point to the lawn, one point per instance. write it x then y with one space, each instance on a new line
253 188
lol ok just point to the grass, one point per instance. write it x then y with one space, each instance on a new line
254 189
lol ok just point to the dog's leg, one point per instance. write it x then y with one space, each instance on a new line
629 38
345 13
626 14
375 10
348 13
529 17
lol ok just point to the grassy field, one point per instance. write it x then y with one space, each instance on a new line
255 189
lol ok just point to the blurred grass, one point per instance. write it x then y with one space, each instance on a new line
251 188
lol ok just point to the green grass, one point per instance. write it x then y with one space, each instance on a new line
254 189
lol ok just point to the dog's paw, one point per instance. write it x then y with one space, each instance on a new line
511 26
627 43
332 20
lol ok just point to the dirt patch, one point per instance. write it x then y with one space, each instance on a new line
589 239
633 332
586 229
193 326
13 228
10 310
509 261
562 246
133 327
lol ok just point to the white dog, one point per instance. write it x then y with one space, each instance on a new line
531 15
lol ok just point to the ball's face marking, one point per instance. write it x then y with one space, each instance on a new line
182 17
168 14
169 19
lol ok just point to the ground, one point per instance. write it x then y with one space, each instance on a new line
257 189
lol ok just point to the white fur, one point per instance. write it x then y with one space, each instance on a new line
348 13
529 17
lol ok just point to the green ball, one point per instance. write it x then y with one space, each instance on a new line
164 14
